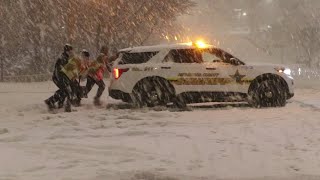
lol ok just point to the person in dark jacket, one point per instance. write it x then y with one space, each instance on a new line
61 81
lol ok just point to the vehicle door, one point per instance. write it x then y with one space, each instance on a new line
184 69
231 71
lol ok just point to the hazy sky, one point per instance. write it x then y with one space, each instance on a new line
215 25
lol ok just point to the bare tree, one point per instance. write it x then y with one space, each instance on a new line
299 26
36 30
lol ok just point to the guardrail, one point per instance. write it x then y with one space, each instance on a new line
34 78
28 78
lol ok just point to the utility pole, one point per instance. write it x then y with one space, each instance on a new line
2 42
2 57
2 70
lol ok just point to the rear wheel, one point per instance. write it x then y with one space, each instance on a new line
268 93
152 92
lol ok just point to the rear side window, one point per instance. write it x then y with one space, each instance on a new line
186 56
136 58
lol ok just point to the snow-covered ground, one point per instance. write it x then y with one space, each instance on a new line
210 142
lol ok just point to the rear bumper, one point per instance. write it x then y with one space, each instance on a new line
117 94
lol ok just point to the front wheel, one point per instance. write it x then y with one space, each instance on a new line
180 102
268 93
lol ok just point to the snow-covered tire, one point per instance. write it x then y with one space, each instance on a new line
152 92
268 93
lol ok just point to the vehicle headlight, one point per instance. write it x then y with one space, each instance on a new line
286 71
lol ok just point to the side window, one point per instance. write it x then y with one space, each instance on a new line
209 57
186 56
169 57
220 56
136 58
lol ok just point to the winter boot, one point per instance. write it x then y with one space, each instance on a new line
50 104
60 104
97 101
76 102
67 107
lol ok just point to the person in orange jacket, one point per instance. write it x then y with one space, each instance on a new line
79 91
95 73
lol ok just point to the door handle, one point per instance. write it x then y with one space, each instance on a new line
212 69
165 67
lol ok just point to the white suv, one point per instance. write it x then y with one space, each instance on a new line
187 73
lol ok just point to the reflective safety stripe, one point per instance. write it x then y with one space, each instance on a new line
72 68
206 81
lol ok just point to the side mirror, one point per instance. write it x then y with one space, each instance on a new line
234 61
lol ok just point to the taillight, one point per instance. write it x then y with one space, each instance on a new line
118 72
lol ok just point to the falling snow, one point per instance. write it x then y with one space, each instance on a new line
117 141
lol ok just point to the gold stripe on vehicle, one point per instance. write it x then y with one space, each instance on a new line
206 81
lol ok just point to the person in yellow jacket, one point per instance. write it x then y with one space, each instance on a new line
73 68
69 72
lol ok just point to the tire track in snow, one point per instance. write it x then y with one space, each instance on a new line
307 105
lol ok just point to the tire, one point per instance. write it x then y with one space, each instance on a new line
180 102
268 93
152 92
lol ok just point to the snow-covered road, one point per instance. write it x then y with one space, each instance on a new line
210 142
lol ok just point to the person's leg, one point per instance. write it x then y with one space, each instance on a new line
100 91
68 92
58 95
83 92
89 85
61 95
102 87
76 93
